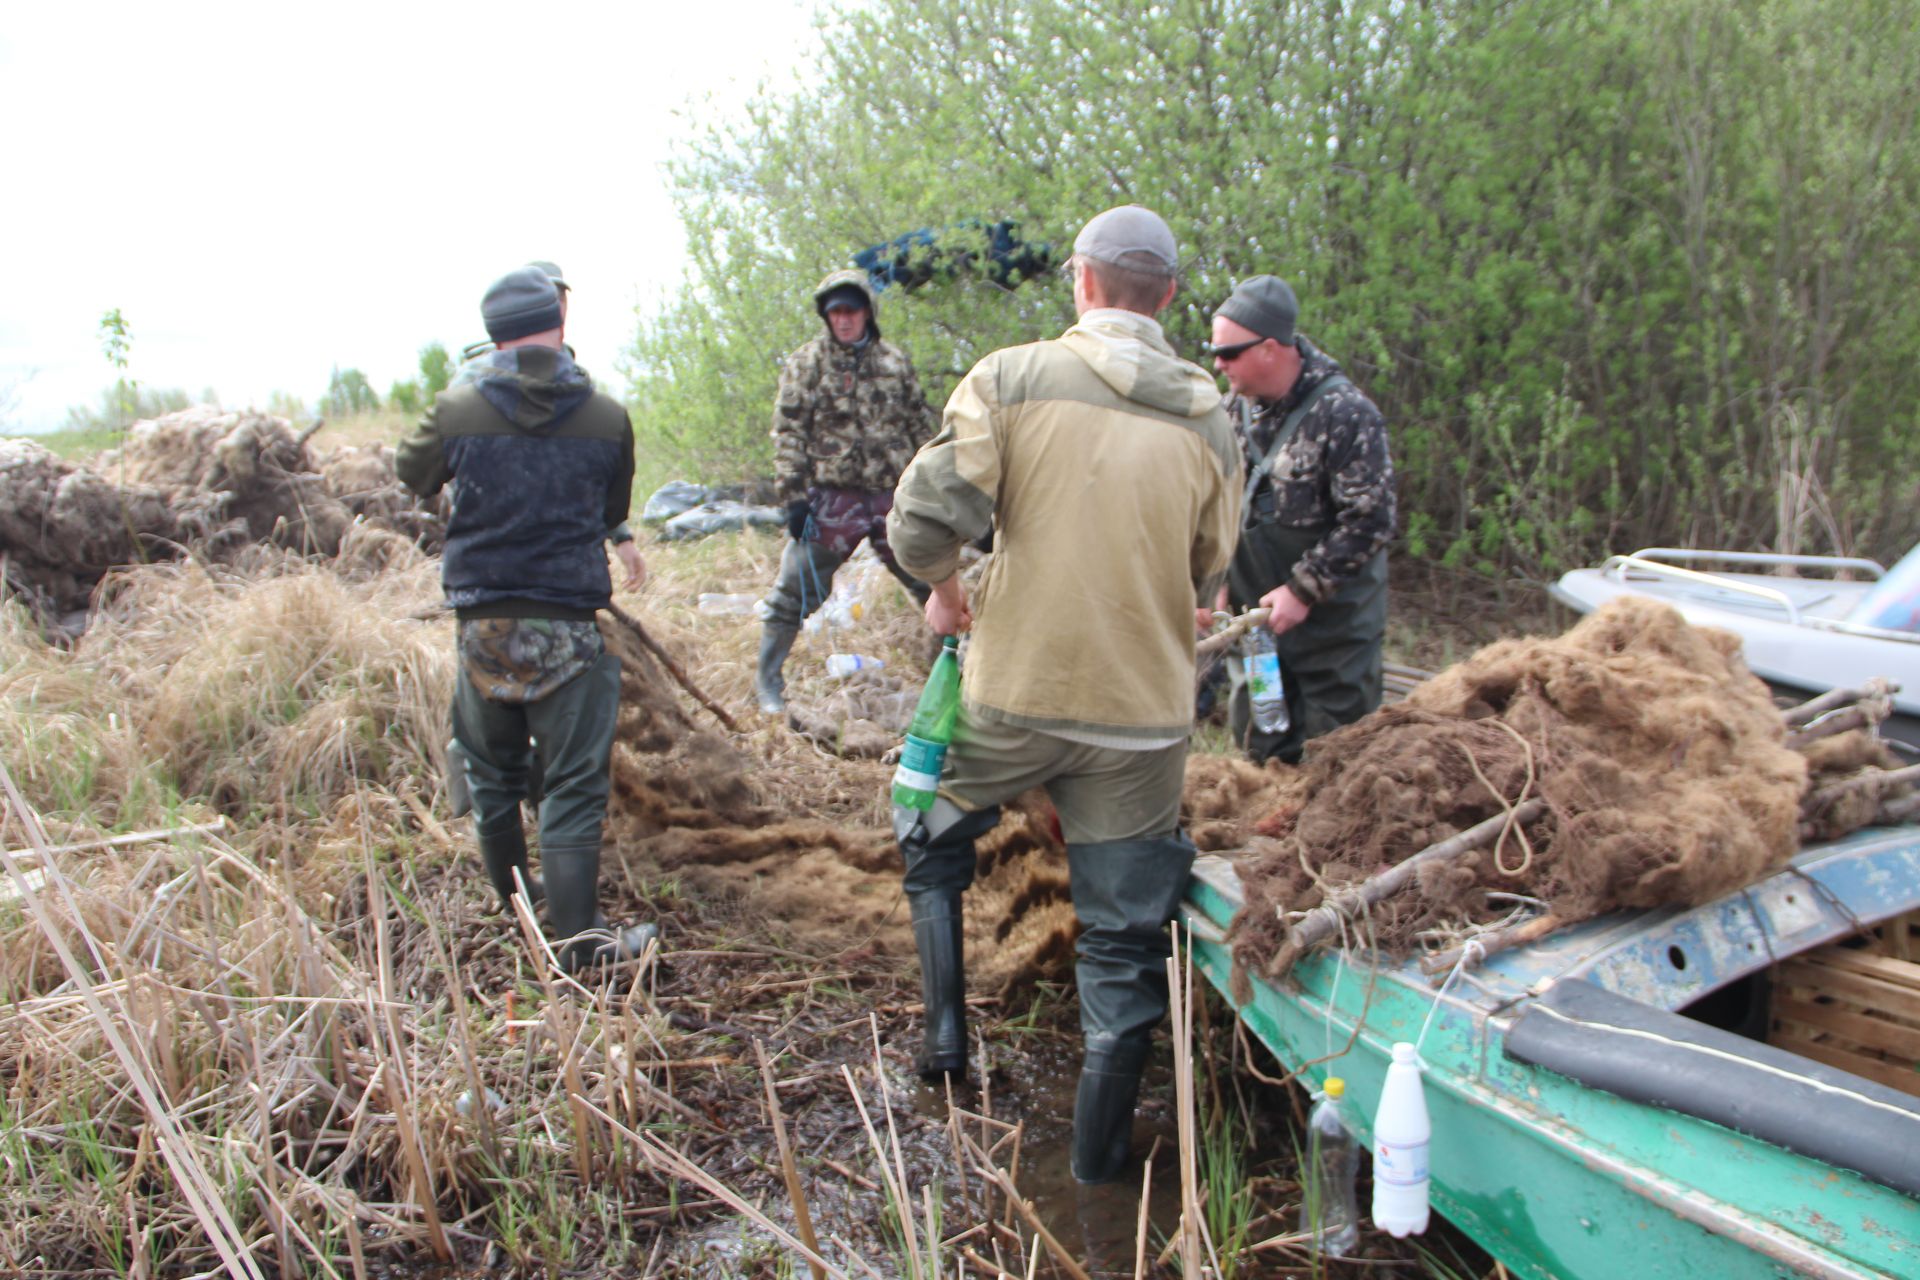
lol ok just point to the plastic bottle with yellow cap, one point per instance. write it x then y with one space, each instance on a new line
1329 1209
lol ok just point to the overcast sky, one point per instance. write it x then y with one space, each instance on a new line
266 191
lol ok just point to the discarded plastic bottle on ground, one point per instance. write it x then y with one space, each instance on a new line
842 665
842 608
717 603
1329 1212
1264 687
1401 1133
921 760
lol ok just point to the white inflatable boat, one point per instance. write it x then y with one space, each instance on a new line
1807 623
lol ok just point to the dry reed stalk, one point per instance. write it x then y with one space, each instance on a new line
566 1040
791 1171
400 1093
993 1173
896 1185
1191 1223
674 1164
899 1156
202 1195
1140 1226
158 836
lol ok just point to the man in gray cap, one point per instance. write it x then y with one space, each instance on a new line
1107 471
540 466
1318 510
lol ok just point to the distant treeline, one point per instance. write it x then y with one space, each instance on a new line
1619 273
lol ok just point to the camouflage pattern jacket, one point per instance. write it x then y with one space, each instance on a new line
1335 474
847 417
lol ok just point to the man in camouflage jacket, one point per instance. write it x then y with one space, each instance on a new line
849 417
1318 513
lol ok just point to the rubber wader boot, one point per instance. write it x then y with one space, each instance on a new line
573 911
1103 1111
769 686
503 850
938 935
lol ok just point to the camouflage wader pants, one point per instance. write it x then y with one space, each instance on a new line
842 518
1330 664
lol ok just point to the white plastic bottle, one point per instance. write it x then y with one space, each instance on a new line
1329 1213
1264 686
1401 1133
714 602
842 665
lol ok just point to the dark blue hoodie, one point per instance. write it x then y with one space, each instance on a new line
541 466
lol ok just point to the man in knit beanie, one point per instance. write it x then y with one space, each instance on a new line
1318 511
539 466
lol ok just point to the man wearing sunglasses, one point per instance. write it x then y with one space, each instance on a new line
1318 512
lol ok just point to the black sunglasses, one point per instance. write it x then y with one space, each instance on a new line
1235 351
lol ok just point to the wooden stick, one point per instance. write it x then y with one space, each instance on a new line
802 1219
1493 943
1222 640
120 842
1324 921
1862 782
652 646
1807 712
1861 715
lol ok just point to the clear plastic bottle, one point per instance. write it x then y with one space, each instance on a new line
1264 686
1401 1134
842 665
1329 1211
715 602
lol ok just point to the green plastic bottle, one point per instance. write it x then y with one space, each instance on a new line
932 729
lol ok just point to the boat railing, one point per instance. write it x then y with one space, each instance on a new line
1768 559
1621 566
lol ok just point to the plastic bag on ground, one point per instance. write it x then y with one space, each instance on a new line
672 498
715 517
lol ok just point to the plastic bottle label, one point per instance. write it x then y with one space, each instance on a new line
1263 675
920 763
1400 1165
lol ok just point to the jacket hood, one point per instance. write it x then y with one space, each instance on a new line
532 387
1132 356
858 279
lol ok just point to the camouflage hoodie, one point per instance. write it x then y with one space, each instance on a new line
540 467
846 417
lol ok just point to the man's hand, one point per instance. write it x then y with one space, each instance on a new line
1203 616
628 554
799 511
1285 610
947 612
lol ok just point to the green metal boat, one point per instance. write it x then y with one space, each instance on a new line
1584 1127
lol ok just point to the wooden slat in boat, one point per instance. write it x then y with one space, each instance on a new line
1855 1009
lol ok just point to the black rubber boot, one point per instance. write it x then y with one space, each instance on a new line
573 911
938 935
1103 1112
503 850
769 685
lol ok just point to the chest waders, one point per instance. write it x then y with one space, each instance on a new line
1330 663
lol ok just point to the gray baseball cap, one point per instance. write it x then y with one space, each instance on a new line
1130 229
553 273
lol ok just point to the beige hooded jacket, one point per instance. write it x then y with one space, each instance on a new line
1110 475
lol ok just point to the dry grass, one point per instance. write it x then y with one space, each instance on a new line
320 1015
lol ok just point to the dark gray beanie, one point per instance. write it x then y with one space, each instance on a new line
519 303
1264 305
